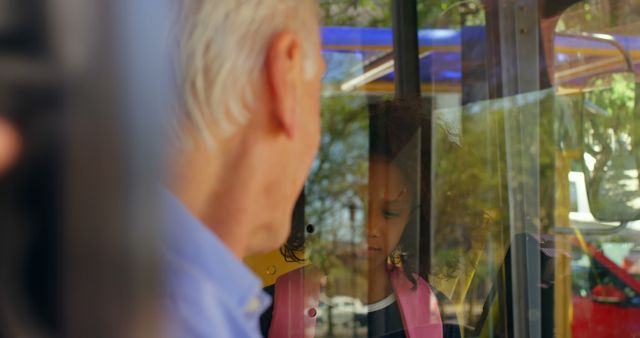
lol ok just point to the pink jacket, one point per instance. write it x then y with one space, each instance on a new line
296 303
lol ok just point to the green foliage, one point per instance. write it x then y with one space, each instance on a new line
609 138
601 16
338 179
340 170
377 13
362 13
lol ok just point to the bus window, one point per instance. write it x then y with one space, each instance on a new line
465 163
596 73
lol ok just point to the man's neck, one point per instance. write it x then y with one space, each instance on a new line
191 186
210 190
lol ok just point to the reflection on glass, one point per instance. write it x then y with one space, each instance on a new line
382 218
595 61
336 193
336 198
610 147
400 301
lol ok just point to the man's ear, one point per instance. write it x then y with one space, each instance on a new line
283 74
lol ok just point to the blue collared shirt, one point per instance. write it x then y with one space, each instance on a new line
210 292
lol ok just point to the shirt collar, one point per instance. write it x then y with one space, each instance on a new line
189 240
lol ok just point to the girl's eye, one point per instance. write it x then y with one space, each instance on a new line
390 213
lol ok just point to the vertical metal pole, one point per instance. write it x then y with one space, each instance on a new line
407 85
474 68
405 48
352 224
519 66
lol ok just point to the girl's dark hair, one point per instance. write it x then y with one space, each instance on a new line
294 246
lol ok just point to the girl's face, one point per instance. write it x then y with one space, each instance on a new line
389 210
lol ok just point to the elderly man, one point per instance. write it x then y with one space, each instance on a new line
247 134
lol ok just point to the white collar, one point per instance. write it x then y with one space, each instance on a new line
381 304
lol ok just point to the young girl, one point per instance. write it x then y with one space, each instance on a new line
400 301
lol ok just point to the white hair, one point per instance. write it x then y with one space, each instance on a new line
223 48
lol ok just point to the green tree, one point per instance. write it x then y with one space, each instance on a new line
377 13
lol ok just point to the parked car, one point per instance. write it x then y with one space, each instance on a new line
606 298
345 312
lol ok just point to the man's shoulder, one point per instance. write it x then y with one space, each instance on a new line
188 317
190 290
199 308
208 289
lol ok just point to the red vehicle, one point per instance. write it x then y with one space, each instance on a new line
606 299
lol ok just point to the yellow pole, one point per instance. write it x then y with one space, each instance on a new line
563 307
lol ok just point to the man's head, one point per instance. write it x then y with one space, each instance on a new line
251 73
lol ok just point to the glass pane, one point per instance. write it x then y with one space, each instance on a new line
467 211
596 71
357 45
466 238
507 184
